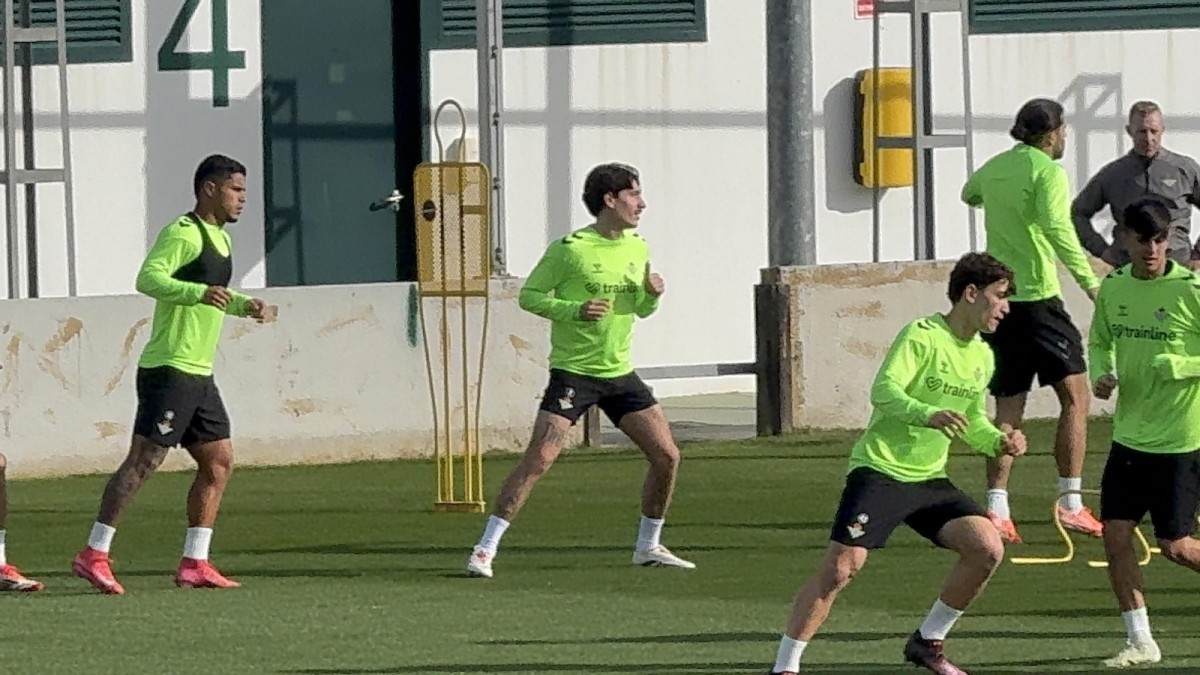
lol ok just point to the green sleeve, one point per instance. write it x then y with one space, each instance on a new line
1053 212
1176 366
889 393
172 250
547 275
647 303
981 434
1100 341
971 196
237 304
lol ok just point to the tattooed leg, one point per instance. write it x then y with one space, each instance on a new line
549 436
144 457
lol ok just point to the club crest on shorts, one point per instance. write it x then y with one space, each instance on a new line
858 527
567 400
164 425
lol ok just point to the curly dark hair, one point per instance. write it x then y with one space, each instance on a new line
979 270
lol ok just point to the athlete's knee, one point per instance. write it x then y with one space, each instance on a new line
988 551
840 568
665 458
1073 394
1179 551
215 461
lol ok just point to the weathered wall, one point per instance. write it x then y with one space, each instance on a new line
842 320
340 376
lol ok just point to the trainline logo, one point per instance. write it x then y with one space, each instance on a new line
628 287
936 384
1123 331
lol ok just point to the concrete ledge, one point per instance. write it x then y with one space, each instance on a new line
840 321
340 376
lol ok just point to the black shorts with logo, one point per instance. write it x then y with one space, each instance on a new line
570 395
1037 338
873 505
1165 485
175 408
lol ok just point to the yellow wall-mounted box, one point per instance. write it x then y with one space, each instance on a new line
895 120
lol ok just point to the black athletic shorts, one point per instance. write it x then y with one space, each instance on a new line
873 505
570 395
1165 485
175 408
1037 338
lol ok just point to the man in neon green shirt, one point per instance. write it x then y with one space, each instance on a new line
187 272
592 285
930 388
1146 336
1027 216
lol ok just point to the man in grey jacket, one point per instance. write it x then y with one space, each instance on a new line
1148 169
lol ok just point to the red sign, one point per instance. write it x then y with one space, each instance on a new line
864 9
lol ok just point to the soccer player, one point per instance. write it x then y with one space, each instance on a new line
1027 216
11 578
187 272
930 387
1145 345
592 285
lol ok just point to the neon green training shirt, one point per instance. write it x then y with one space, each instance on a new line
927 369
1026 204
1149 329
584 266
184 334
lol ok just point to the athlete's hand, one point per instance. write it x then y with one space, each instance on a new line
593 310
217 296
1103 388
948 422
259 309
654 282
1013 444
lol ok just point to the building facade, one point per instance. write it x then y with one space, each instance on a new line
328 104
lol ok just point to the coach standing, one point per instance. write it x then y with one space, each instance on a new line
1149 169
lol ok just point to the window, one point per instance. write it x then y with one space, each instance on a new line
545 23
1039 16
98 31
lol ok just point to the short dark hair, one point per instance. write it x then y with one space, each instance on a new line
606 179
979 270
1035 119
1149 218
217 168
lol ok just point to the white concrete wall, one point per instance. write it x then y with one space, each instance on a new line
845 317
340 376
692 117
137 136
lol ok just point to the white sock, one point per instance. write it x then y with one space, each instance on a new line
997 503
490 540
939 622
101 537
649 533
195 543
1071 502
1137 625
3 553
787 660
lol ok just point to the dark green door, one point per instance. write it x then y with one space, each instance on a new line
341 130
